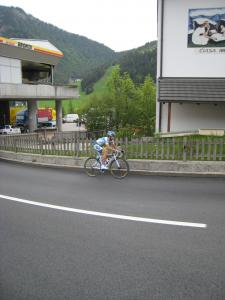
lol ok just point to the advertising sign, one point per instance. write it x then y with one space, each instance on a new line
206 27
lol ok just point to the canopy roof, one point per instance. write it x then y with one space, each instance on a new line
42 46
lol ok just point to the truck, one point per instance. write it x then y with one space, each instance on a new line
13 111
8 129
46 117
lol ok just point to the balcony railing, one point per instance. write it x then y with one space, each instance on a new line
38 92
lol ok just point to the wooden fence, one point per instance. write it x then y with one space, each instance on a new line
79 144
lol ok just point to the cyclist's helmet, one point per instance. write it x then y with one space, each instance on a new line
111 133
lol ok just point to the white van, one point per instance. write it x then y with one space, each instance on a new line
71 118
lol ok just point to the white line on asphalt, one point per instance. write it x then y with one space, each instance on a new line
106 215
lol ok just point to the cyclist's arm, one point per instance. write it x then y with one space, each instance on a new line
111 147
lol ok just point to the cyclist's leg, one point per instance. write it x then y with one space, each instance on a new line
104 154
98 148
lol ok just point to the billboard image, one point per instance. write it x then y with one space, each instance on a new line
206 27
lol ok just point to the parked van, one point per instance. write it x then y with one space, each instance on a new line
71 118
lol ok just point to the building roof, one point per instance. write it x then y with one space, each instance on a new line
41 46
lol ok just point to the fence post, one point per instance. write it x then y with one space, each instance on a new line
185 148
162 148
126 145
221 150
15 144
209 148
174 145
197 150
168 149
41 146
215 149
78 143
157 149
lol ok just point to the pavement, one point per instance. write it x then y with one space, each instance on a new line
65 235
138 166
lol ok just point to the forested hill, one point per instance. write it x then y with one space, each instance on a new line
80 53
140 62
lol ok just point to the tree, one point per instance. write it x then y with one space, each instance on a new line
148 99
125 107
123 94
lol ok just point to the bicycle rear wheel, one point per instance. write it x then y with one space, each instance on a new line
119 168
92 166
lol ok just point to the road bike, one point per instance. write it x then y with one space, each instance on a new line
116 164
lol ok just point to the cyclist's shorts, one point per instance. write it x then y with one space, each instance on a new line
98 148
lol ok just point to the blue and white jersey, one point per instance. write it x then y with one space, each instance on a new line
103 141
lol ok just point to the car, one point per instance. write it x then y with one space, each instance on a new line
71 118
8 129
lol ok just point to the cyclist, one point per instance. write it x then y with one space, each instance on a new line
104 145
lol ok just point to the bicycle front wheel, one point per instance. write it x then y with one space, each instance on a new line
119 168
92 167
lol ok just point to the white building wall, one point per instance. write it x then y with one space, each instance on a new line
164 115
10 70
191 116
178 59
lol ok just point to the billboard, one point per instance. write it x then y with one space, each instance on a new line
206 27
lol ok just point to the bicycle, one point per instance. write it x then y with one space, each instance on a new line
116 163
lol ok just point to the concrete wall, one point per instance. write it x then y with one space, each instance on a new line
139 166
38 92
10 70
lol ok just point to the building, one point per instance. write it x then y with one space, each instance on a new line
27 74
191 65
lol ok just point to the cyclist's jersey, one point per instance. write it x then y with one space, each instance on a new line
103 141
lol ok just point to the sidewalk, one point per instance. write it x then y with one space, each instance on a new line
137 166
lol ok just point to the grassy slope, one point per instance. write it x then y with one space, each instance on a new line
99 89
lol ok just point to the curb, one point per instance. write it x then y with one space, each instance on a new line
138 167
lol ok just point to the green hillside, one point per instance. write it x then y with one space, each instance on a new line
70 106
80 53
139 63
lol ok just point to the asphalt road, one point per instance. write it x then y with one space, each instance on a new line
58 252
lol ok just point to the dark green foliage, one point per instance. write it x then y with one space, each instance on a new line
140 62
91 78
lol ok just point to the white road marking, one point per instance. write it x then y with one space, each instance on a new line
106 215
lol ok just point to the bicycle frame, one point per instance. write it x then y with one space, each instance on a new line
110 158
